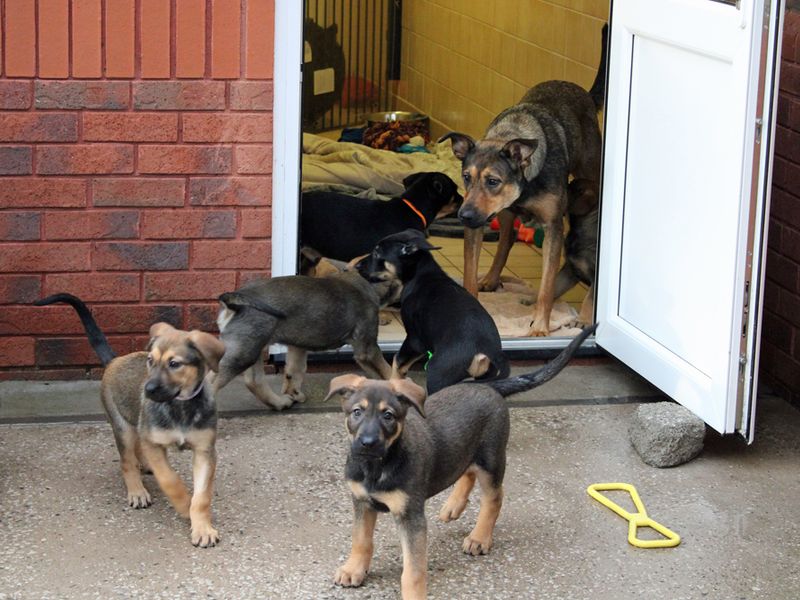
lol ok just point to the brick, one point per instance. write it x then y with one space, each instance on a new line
60 319
17 352
792 120
95 287
119 39
20 38
138 192
245 276
91 225
16 160
130 127
186 224
772 295
84 159
75 351
190 38
20 289
242 191
252 95
16 95
777 331
789 307
203 317
53 39
32 258
187 286
19 226
787 143
179 95
80 95
230 255
774 235
154 30
254 160
784 368
185 159
784 206
143 256
217 128
790 77
790 244
45 374
782 271
226 38
259 38
256 223
32 127
87 58
26 192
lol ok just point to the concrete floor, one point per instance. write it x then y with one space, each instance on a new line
284 513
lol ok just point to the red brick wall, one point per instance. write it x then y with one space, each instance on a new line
135 156
780 343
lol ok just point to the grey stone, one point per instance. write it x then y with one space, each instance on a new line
666 434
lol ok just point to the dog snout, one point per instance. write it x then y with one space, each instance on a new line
156 392
471 217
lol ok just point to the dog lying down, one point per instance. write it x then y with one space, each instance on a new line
405 449
305 314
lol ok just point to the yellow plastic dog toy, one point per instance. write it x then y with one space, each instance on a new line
635 520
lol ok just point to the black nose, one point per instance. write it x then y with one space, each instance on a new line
156 392
151 387
471 217
368 441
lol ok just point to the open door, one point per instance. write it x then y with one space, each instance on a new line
688 138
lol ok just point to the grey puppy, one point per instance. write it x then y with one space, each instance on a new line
399 458
304 313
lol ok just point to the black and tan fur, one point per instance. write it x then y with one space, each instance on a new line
522 167
405 449
157 399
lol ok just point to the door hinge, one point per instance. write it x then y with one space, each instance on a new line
759 128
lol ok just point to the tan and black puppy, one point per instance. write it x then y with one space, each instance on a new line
399 458
156 399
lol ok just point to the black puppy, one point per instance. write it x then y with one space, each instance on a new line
441 318
342 227
398 459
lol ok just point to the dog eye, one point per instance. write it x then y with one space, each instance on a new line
466 177
388 416
174 364
492 182
356 412
149 360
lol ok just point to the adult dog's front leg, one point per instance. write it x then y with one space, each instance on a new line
491 280
353 572
551 251
473 239
408 354
296 366
204 467
414 542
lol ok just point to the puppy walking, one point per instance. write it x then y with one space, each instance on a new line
156 399
405 449
441 319
522 167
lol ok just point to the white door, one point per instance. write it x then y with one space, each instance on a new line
690 112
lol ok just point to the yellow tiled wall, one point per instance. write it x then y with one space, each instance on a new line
464 61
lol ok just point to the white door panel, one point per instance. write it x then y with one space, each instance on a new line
677 203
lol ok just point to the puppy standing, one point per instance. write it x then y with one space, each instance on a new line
522 167
439 316
399 458
157 399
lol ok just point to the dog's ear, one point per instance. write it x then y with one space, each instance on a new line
209 346
520 151
353 264
344 384
408 391
461 142
411 179
157 330
414 242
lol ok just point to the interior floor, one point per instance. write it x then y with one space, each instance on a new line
521 276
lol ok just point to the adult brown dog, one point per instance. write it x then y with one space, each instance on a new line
522 167
156 399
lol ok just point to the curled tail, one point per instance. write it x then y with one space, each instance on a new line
521 383
598 89
236 300
96 337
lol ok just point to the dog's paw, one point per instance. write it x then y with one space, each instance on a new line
452 510
204 536
281 402
347 576
296 395
476 547
539 329
139 498
489 285
527 301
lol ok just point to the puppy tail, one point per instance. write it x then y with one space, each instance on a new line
598 89
521 383
96 337
236 301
